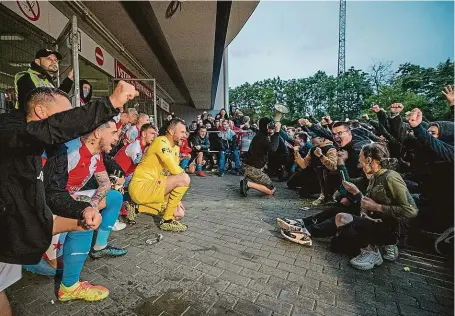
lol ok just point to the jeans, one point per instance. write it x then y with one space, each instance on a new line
222 162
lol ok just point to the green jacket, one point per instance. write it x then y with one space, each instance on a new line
388 189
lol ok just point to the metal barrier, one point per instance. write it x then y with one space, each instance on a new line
245 139
146 101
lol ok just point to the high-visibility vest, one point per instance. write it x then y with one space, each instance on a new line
37 80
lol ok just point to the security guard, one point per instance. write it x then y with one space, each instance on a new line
41 73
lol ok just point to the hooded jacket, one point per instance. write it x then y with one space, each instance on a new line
25 84
261 144
89 96
25 219
441 146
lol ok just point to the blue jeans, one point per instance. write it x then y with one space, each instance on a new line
222 162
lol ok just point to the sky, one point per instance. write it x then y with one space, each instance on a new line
295 39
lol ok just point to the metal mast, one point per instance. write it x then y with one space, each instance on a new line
341 38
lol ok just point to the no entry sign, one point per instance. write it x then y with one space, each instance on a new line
30 9
99 56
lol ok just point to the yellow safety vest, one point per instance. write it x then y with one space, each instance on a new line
37 80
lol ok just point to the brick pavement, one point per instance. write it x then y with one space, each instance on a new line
232 261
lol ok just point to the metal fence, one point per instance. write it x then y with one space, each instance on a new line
146 101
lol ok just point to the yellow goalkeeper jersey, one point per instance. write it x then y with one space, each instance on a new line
160 159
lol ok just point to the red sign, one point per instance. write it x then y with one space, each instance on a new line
99 56
122 72
30 9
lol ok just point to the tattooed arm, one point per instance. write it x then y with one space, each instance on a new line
104 185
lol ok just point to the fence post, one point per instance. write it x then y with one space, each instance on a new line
75 53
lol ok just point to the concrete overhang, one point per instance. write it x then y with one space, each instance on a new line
184 51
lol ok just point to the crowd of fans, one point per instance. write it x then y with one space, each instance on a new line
68 175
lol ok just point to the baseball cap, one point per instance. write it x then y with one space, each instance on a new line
46 52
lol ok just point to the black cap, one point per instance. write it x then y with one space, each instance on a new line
46 52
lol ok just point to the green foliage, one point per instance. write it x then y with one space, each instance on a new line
349 95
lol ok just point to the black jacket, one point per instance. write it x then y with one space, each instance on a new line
260 147
55 180
25 85
25 219
198 141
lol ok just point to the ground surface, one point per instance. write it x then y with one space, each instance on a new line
232 261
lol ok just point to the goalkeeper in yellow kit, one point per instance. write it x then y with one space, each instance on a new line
158 183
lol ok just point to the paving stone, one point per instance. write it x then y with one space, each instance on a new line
214 282
263 288
251 309
274 304
329 310
232 261
321 277
281 258
228 266
283 284
255 275
298 300
209 269
235 278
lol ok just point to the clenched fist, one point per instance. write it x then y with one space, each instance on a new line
122 93
396 108
375 108
415 117
318 152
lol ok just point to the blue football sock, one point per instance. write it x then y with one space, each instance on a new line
75 252
110 214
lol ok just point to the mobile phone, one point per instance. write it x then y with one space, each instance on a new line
343 176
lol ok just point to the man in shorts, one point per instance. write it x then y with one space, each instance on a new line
26 222
158 183
265 140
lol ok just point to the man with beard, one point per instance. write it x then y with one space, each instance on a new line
158 183
41 73
83 159
256 159
26 222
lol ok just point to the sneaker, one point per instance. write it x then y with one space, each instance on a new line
367 260
244 187
109 251
290 224
132 209
220 174
298 237
200 173
444 244
82 291
321 200
390 252
173 226
118 226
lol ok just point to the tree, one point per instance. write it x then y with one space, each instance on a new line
350 94
380 74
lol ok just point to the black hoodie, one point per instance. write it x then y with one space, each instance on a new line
89 97
261 144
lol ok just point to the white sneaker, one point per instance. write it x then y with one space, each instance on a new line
390 252
367 259
118 226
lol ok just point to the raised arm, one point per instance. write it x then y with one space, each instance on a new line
65 126
443 150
